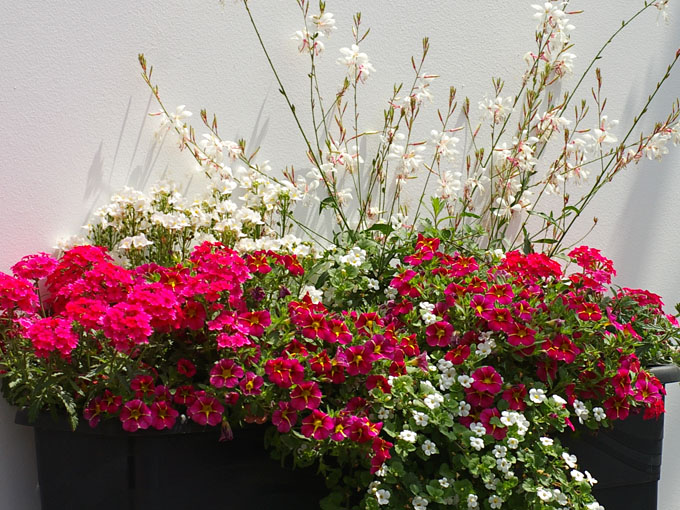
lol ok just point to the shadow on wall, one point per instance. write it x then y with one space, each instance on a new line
99 186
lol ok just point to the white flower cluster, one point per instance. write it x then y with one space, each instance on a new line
310 41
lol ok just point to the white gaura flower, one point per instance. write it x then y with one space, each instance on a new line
496 109
601 136
308 43
358 66
324 23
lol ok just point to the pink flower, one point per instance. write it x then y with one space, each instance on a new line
34 267
497 431
251 384
186 368
110 403
439 334
225 374
135 415
92 412
206 410
162 415
127 325
317 425
305 395
284 417
254 323
142 385
487 379
50 334
17 293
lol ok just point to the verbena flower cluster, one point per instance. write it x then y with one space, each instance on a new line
423 357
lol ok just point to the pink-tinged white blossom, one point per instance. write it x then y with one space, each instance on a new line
358 66
496 109
324 23
308 43
601 136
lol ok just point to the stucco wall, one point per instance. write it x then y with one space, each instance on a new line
75 125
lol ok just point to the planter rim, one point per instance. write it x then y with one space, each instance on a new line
666 373
58 422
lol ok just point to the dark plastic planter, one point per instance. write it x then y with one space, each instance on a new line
108 469
625 460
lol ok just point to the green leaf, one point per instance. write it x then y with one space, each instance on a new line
327 202
383 228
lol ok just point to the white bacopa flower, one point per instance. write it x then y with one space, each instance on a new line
537 395
477 443
444 365
421 419
314 294
463 408
429 318
483 349
372 284
355 257
544 494
495 501
420 503
589 478
383 414
472 502
599 414
513 443
358 66
503 465
478 429
570 460
499 451
577 475
434 400
444 483
429 448
383 496
594 506
546 441
465 380
408 435
560 497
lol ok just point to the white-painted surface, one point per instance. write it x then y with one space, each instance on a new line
75 125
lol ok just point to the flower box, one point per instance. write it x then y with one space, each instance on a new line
187 467
626 459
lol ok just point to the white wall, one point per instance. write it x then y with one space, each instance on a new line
75 126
